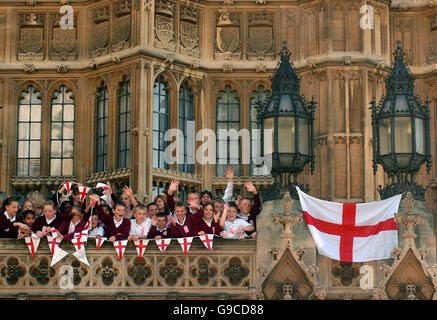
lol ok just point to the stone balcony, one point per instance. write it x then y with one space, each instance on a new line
226 272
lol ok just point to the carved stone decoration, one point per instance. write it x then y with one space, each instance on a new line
29 68
62 68
139 271
287 290
13 271
42 272
122 26
203 271
147 5
171 271
189 31
64 42
31 37
261 42
100 32
432 3
107 271
227 67
164 25
235 271
345 274
261 67
79 272
2 18
432 54
228 36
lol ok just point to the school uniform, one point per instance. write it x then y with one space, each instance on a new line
97 231
255 209
189 226
232 227
209 227
141 229
164 233
171 204
42 222
120 230
68 229
7 229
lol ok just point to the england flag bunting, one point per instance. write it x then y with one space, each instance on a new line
57 253
163 244
141 246
102 185
185 244
120 246
207 240
81 256
83 191
79 242
54 232
352 232
99 242
32 243
68 186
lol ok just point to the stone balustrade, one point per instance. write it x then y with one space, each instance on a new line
226 272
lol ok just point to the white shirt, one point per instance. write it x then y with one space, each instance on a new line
183 222
7 217
208 222
117 224
227 197
73 226
232 227
97 231
51 220
140 229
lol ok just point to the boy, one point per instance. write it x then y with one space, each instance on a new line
159 228
140 226
185 225
249 211
152 209
219 205
233 227
117 227
49 219
192 199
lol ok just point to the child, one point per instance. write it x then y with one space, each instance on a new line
209 224
219 205
8 216
152 209
233 227
117 227
74 225
96 230
249 211
38 202
140 227
205 197
185 225
192 198
27 205
48 219
28 217
159 228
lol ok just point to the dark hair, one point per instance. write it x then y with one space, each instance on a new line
77 207
161 214
232 204
209 203
206 192
107 206
219 200
27 212
8 202
180 204
119 204
151 204
63 204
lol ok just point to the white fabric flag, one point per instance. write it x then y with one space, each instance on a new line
99 242
57 253
83 191
120 246
81 256
185 244
32 243
68 186
53 243
79 242
141 246
352 232
163 244
207 240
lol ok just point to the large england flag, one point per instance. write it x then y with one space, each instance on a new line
352 232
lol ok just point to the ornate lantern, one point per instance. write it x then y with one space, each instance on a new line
291 119
401 138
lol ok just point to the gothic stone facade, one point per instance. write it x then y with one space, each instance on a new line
211 46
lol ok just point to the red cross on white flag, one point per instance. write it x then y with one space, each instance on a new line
32 243
120 246
99 242
163 244
68 186
57 253
53 243
102 185
87 225
141 246
83 191
54 232
78 242
83 235
207 240
185 243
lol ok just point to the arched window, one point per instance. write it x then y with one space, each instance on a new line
227 118
160 121
29 133
259 95
62 133
123 124
186 125
101 133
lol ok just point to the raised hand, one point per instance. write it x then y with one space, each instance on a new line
193 204
128 191
250 187
230 174
217 216
173 187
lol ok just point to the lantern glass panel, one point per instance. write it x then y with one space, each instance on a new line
403 135
420 136
286 134
401 104
384 136
269 137
304 134
285 103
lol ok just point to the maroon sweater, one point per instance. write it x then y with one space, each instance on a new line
41 222
166 233
7 230
214 229
120 233
190 226
63 229
254 211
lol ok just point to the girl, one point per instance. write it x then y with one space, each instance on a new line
128 198
209 224
8 217
74 225
233 227
28 217
96 230
48 219
161 200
